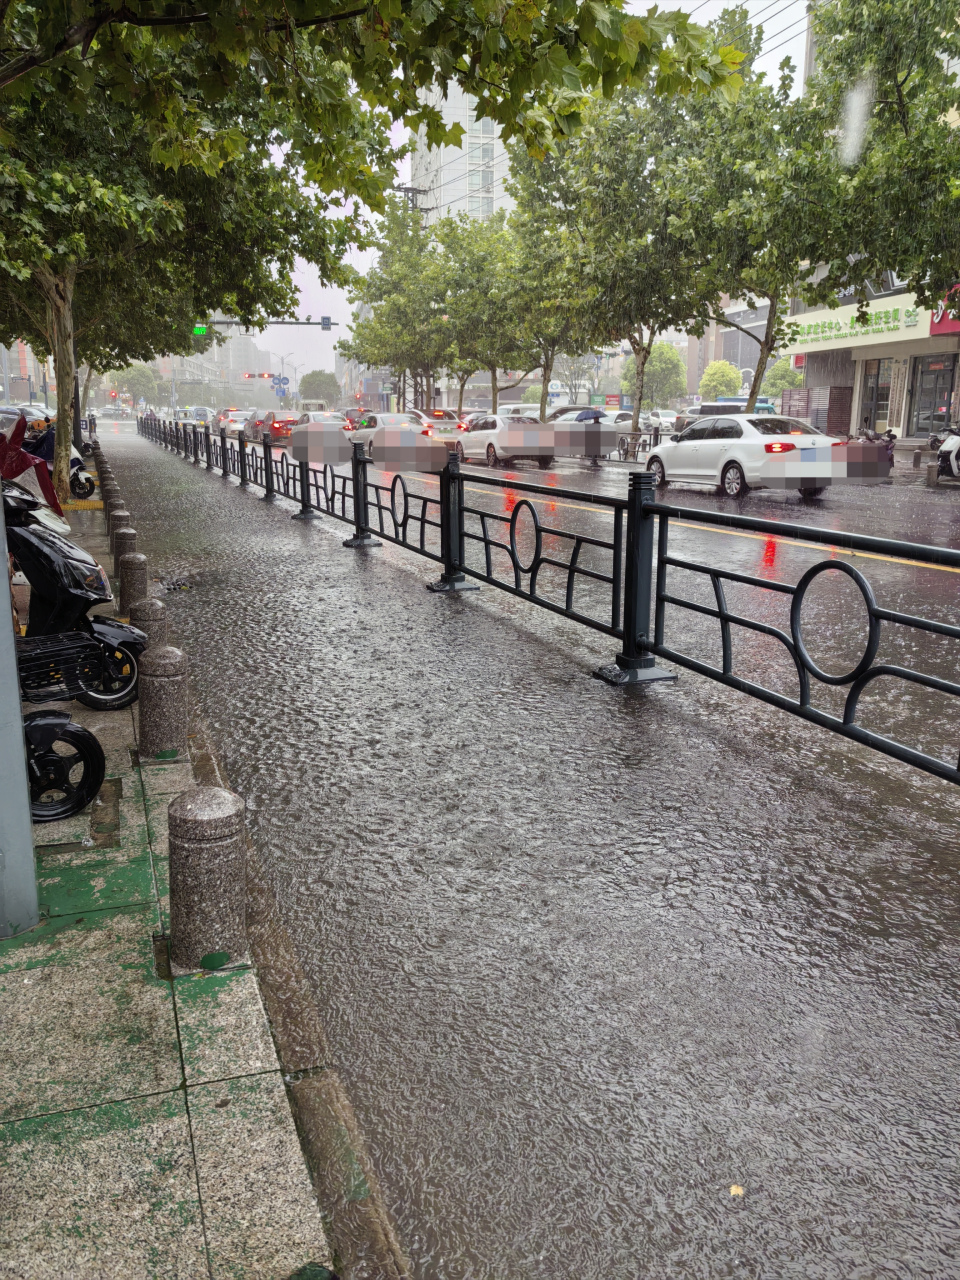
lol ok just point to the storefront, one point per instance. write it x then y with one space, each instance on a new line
905 363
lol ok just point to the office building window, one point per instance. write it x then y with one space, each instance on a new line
486 206
473 206
486 178
475 180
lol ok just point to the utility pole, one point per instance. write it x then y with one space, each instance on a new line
19 909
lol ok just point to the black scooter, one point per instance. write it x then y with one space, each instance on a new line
66 582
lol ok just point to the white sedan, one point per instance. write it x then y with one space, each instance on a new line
500 438
740 452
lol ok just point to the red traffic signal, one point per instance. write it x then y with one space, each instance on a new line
113 395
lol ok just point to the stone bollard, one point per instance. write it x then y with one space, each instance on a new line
932 469
124 544
133 581
917 459
163 703
110 505
207 880
150 615
119 519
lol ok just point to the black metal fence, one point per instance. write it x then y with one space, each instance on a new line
621 585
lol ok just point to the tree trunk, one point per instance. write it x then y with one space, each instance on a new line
463 386
86 391
766 347
494 391
544 390
641 353
57 292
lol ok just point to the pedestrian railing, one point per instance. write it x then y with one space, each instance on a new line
622 585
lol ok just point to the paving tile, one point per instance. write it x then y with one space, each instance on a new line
260 1213
105 1193
116 937
223 1028
66 890
166 779
75 1035
157 822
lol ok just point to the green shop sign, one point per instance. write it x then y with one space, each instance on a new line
883 320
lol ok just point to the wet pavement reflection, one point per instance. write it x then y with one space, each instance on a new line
589 958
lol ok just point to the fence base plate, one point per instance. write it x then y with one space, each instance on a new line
309 514
268 497
457 583
613 674
363 540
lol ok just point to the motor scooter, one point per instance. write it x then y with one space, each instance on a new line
948 454
65 582
25 507
82 483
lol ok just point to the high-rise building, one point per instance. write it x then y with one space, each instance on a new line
468 179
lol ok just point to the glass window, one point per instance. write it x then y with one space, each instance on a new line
486 178
486 126
783 427
486 206
486 153
473 206
474 179
725 429
697 432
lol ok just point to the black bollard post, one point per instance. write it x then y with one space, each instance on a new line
635 664
451 531
362 537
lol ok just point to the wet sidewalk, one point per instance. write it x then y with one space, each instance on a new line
144 1123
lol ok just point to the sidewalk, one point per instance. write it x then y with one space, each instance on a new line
144 1123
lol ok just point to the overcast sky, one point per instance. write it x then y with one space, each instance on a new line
784 26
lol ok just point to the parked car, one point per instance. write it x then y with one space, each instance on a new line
364 430
662 419
739 452
321 415
280 424
487 437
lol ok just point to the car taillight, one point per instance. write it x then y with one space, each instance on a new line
778 446
426 432
835 443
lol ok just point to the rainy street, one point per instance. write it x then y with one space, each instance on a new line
621 982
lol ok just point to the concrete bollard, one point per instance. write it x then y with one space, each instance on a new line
932 469
917 459
207 879
150 615
163 703
110 505
124 544
119 519
133 581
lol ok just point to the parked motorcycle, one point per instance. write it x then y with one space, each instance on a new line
948 454
65 582
82 483
65 761
23 507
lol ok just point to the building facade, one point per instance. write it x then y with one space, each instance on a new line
470 179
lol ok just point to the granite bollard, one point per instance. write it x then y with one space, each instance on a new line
124 544
150 615
163 704
133 581
207 879
119 519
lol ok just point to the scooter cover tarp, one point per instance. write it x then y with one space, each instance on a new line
14 461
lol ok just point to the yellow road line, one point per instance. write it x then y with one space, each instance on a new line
733 533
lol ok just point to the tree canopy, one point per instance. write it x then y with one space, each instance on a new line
720 378
319 384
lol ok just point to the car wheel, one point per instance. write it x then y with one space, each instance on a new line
813 491
733 482
492 458
544 463
458 450
656 468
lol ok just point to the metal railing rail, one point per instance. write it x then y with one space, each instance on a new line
633 584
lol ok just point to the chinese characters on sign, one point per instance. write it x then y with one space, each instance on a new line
886 320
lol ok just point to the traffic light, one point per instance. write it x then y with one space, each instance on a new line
113 395
258 375
249 375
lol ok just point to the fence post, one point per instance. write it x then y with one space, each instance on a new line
634 664
224 457
242 448
362 537
307 510
451 530
196 444
267 467
208 445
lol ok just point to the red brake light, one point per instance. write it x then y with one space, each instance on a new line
426 432
835 443
778 446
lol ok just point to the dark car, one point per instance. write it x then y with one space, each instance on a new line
280 424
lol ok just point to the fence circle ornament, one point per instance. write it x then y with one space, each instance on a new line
873 635
538 547
399 483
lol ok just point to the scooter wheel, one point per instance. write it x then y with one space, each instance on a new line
66 776
117 685
82 488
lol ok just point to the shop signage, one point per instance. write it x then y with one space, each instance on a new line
941 321
879 320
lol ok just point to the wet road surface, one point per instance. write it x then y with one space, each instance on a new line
589 958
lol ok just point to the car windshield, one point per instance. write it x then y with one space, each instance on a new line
397 420
783 427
